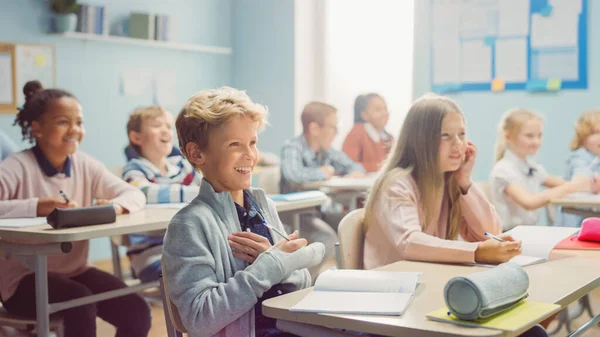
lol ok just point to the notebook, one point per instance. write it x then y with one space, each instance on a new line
524 314
538 242
364 292
22 222
304 195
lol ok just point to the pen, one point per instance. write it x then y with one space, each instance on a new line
64 196
492 236
275 230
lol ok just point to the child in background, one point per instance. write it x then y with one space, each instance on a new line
585 156
368 142
310 158
516 178
30 182
161 178
425 198
221 257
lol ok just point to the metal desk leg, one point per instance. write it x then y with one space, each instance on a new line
116 260
41 295
296 222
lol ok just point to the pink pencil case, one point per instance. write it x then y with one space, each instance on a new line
590 230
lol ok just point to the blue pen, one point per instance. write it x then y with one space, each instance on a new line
275 230
492 236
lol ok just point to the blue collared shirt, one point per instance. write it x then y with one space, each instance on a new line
582 161
301 165
47 167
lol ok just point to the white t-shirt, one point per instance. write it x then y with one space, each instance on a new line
514 170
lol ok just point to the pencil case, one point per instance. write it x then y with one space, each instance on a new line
486 293
84 216
590 230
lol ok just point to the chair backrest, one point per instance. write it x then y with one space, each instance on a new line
171 312
268 179
486 188
351 240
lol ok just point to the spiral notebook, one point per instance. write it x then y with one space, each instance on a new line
364 292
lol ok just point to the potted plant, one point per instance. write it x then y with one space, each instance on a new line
65 17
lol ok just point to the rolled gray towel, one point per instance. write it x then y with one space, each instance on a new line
486 293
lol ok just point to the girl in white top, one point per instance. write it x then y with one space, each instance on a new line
516 177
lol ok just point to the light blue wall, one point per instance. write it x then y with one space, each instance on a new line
263 63
483 110
91 70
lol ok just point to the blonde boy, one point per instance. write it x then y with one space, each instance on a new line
162 179
221 260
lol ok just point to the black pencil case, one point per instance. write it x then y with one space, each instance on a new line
83 216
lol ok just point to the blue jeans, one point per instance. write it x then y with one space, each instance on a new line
151 272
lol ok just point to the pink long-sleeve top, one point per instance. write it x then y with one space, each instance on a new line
396 231
27 176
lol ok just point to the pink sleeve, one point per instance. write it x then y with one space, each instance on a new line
479 216
108 186
399 214
11 179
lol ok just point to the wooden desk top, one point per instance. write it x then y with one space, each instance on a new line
582 200
560 281
144 221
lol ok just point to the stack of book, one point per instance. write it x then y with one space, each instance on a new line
92 19
150 26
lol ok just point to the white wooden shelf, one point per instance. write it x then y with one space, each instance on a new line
145 43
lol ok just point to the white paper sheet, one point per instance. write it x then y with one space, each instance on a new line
6 87
476 62
513 18
556 30
178 205
165 86
22 222
511 60
136 81
563 65
569 6
446 46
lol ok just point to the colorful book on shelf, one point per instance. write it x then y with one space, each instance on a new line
142 26
91 19
574 243
523 315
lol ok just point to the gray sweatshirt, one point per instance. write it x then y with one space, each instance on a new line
215 292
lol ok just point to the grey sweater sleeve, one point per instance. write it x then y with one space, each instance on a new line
300 278
206 306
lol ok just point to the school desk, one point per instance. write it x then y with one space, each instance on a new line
561 281
34 244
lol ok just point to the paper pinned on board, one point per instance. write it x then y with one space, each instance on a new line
165 88
476 62
511 59
6 80
513 18
136 81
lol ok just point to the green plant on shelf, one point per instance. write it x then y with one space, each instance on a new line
64 6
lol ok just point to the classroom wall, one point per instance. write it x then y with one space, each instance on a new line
483 110
263 63
91 70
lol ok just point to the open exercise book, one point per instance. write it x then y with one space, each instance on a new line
364 292
538 242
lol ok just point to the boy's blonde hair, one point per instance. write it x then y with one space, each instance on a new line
136 119
316 112
585 127
416 153
510 125
209 109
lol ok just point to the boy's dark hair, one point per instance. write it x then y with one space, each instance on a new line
36 99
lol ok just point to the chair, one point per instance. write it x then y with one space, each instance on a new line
351 238
173 322
29 324
268 179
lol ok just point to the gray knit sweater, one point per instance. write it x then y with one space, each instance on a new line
215 292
